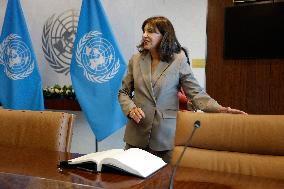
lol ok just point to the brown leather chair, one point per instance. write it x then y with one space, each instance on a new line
232 143
36 129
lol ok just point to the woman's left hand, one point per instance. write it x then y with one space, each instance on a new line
231 110
136 114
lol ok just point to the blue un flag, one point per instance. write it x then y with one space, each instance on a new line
20 82
97 69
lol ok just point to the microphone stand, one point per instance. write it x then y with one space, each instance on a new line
188 142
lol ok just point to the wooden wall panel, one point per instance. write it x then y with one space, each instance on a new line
255 86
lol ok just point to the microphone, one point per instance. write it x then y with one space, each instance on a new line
188 142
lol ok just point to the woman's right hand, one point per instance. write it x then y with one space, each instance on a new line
136 114
230 110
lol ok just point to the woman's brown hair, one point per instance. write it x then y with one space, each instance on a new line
169 44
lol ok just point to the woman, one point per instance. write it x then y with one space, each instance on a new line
148 95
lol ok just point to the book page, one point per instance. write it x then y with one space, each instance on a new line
96 157
136 161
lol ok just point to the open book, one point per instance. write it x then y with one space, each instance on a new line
133 161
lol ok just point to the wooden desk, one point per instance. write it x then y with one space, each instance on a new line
33 169
27 168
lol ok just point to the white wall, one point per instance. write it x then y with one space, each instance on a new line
126 17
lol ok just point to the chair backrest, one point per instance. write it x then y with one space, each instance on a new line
36 129
255 134
233 143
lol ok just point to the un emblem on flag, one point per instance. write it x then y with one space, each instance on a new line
96 56
16 57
